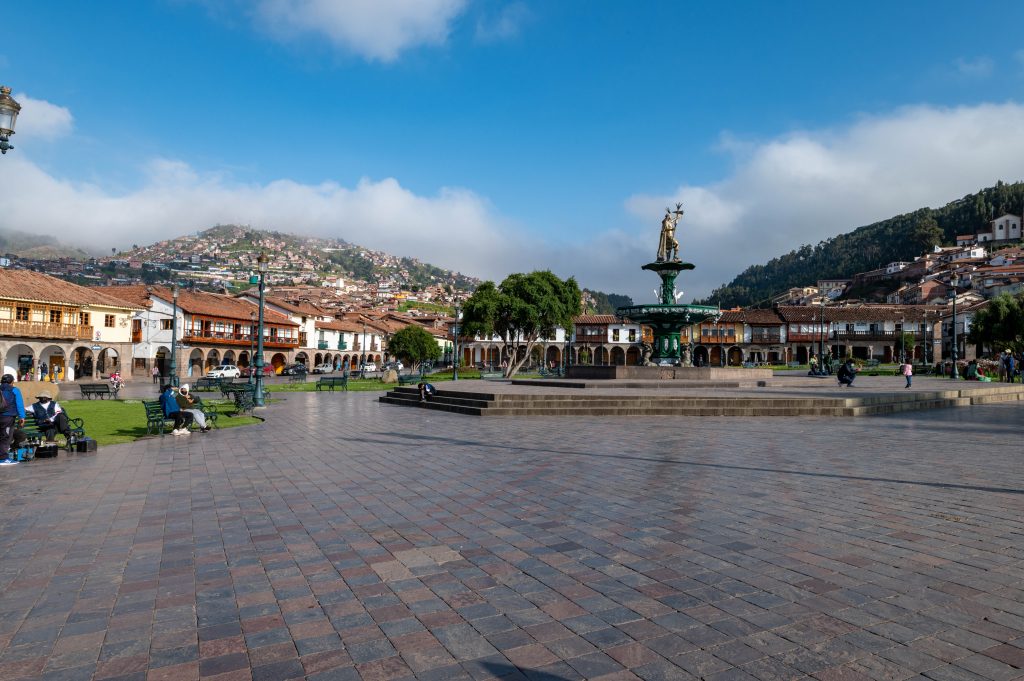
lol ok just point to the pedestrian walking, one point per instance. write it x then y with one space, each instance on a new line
156 374
908 372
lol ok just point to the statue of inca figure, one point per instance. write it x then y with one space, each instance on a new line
668 246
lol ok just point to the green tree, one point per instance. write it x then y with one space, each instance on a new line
524 309
927 233
413 345
1000 324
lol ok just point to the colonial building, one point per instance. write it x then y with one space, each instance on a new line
76 331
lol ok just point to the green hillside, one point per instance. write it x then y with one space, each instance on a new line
903 237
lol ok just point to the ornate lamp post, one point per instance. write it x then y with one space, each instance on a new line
8 115
173 369
954 282
362 346
261 261
455 345
821 339
252 343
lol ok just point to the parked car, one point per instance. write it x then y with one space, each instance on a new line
323 369
370 366
224 371
397 366
294 370
268 370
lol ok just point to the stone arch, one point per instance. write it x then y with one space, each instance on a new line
633 356
82 362
715 356
618 356
20 361
229 357
554 356
701 356
54 357
243 359
108 361
585 355
318 359
277 360
493 356
195 363
735 356
601 356
212 358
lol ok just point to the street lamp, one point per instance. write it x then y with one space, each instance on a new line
954 282
252 343
8 115
903 340
362 345
261 262
173 370
821 339
455 345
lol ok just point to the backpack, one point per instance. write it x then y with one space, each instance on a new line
6 403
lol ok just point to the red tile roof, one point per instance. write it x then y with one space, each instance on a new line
42 288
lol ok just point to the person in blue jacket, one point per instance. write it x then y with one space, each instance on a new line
11 416
169 404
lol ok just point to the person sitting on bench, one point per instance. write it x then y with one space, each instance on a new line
188 405
426 391
182 419
50 418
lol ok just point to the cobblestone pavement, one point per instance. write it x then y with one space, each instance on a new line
345 539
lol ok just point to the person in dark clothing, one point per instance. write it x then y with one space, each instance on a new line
12 415
169 404
847 372
50 418
426 391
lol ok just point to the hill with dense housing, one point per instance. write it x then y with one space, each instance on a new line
870 247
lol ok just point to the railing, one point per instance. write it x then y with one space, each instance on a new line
322 345
806 336
875 335
228 338
766 337
14 327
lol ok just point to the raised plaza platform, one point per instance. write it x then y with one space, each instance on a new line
668 373
783 396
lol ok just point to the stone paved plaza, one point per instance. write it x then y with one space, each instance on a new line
346 539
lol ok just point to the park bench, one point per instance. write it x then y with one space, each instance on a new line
297 378
155 417
794 365
243 395
206 384
101 390
409 379
36 435
872 363
332 382
491 375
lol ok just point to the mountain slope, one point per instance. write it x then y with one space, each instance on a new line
868 247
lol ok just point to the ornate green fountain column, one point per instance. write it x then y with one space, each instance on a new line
666 318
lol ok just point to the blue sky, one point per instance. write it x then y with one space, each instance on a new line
494 137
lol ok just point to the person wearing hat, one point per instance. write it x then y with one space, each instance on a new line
11 415
50 418
187 403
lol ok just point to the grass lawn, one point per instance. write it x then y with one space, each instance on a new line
111 422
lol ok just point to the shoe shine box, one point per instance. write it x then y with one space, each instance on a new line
85 445
46 451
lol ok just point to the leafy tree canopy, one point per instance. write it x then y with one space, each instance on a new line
1000 324
522 310
413 345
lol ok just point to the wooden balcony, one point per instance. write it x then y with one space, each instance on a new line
878 335
806 337
238 339
21 329
766 338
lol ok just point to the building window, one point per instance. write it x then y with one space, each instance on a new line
615 335
55 316
632 335
108 321
21 314
166 324
84 319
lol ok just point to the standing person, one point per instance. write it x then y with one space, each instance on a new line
171 410
187 403
908 371
44 371
1011 366
50 418
156 374
847 372
12 415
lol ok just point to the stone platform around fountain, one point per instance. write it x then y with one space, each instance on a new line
667 373
784 396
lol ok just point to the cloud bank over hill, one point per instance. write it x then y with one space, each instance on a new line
797 188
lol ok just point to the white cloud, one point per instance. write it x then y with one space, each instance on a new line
505 25
374 29
808 186
40 119
798 188
979 67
